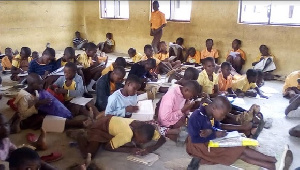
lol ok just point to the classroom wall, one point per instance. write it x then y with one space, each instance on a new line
34 23
209 19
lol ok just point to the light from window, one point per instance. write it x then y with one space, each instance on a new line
118 9
270 12
176 10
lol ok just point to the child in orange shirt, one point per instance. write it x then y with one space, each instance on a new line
236 57
193 56
163 55
7 60
225 79
209 51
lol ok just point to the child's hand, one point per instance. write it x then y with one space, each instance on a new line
221 133
139 151
205 133
263 96
188 105
132 109
43 102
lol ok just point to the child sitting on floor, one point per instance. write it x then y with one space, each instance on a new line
108 45
291 85
35 55
135 56
225 80
119 62
203 127
193 56
79 42
7 60
208 79
123 102
20 63
91 66
117 134
163 55
236 57
107 85
246 86
174 108
209 51
190 73
177 48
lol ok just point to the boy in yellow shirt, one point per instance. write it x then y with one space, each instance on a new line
209 51
135 56
7 59
193 56
119 62
291 86
20 63
163 55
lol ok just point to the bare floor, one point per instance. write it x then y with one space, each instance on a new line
271 140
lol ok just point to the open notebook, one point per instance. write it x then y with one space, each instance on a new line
146 111
146 160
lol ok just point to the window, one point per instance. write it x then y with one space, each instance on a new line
118 9
270 12
176 10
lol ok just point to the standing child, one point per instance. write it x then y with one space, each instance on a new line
177 48
225 79
20 63
119 62
208 79
291 85
203 127
236 57
193 56
108 45
135 56
7 60
123 102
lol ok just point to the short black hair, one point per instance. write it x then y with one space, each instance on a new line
27 51
120 61
120 70
109 35
21 155
77 32
155 2
133 79
251 73
146 130
193 85
72 66
222 102
260 73
152 62
71 51
32 77
131 50
209 40
148 46
191 49
208 59
49 51
180 40
238 41
35 53
8 48
225 64
90 46
191 73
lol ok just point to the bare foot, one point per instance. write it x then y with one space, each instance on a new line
41 144
88 159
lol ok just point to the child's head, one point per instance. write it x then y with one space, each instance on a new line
219 107
150 64
48 56
34 81
70 70
264 50
162 46
8 52
191 73
77 34
117 76
25 52
179 41
209 65
225 69
109 35
131 52
236 44
4 127
24 159
192 51
190 89
155 5
69 54
90 49
120 62
148 50
132 85
35 55
251 75
209 43
143 134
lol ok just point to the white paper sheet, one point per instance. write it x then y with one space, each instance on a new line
146 111
81 100
143 96
54 124
146 160
23 74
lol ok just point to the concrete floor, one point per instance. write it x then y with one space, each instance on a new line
271 140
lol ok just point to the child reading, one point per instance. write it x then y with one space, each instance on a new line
135 56
20 63
225 79
123 101
119 62
117 134
265 62
208 79
291 85
209 51
203 127
108 45
174 107
79 42
107 85
91 66
177 48
163 55
236 57
244 85
7 60
193 56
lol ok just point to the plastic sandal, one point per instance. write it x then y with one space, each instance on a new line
31 138
54 156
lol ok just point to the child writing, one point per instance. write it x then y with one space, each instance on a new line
291 85
244 85
135 56
107 85
193 56
123 102
108 45
177 48
236 57
119 62
208 79
209 51
201 130
225 79
163 55
7 60
20 63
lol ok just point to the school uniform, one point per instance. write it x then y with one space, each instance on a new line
213 53
156 59
291 81
84 60
139 70
162 56
243 84
40 69
6 63
241 52
108 69
18 62
194 59
261 63
137 57
207 85
224 84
